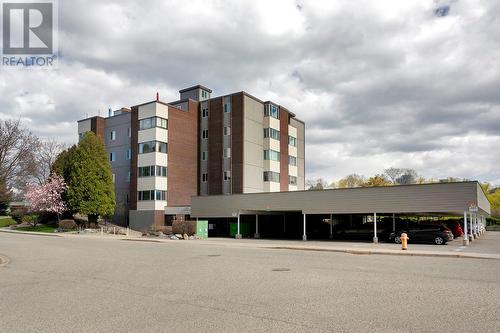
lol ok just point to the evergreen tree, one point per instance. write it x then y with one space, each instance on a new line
88 174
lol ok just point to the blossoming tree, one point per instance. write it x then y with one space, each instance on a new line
48 197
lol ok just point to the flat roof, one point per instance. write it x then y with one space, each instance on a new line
198 86
434 198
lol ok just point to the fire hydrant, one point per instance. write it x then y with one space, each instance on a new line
404 241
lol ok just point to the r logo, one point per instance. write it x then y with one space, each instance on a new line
27 28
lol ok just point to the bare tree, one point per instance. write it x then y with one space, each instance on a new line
353 180
409 176
393 174
319 184
400 176
17 158
45 158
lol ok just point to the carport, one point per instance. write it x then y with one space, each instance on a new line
458 199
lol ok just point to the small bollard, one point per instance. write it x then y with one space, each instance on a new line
404 241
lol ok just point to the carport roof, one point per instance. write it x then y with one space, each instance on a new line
435 198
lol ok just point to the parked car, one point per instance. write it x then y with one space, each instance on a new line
455 228
436 234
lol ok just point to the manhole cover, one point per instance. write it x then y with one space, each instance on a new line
281 269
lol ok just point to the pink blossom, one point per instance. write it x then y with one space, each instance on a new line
48 197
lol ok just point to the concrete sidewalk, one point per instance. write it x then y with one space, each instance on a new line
486 247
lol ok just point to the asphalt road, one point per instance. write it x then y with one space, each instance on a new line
100 285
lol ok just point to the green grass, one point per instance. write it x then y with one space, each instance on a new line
38 228
6 221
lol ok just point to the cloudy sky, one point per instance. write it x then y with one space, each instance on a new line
378 83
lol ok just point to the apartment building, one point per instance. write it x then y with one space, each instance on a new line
162 154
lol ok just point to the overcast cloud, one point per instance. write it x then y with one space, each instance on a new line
378 83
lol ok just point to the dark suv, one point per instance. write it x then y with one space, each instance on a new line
436 234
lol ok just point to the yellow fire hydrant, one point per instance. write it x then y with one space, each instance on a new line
404 241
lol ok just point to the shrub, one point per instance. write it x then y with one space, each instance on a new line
493 221
17 215
67 224
184 227
30 218
167 230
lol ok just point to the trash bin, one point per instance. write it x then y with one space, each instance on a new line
202 229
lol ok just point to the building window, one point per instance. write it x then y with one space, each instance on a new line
127 198
271 110
227 175
271 176
227 130
80 136
204 134
152 171
204 177
161 171
153 122
292 141
271 133
128 177
129 132
160 195
161 122
204 155
153 146
292 180
129 154
145 195
147 147
147 171
162 147
271 155
112 157
112 135
227 107
152 195
292 160
227 152
204 112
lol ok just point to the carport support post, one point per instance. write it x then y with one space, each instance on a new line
466 237
238 235
393 222
257 235
304 235
375 238
331 226
474 221
471 236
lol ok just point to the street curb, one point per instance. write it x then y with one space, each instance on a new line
29 233
378 252
143 240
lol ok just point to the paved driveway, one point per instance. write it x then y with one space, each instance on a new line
88 284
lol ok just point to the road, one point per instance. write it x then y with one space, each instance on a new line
76 284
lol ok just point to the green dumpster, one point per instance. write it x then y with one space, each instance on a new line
244 229
202 229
